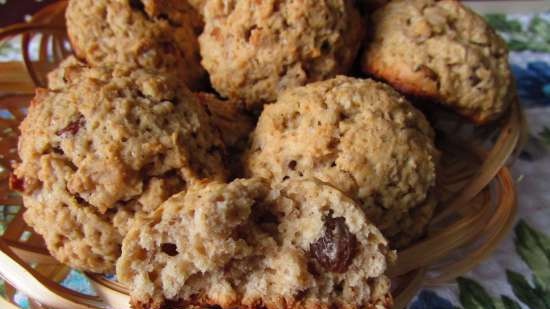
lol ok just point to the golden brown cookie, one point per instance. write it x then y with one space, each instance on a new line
149 34
254 49
442 51
362 137
243 245
105 144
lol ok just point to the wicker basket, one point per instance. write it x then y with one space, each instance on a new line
477 209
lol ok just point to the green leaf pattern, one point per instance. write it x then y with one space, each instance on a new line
535 36
473 296
534 249
6 47
545 135
508 303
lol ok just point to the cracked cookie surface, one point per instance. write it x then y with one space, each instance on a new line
149 34
362 137
102 146
442 51
254 49
245 245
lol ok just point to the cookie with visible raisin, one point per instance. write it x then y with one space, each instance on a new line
106 145
360 136
245 245
444 52
148 34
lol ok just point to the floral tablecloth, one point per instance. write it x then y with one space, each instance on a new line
517 275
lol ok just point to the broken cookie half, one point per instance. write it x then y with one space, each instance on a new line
303 244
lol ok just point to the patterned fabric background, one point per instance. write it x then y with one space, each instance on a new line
518 274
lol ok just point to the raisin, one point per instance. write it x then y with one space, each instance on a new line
16 183
170 304
474 80
292 164
326 47
72 128
170 249
80 200
168 47
267 218
213 150
429 73
137 5
334 250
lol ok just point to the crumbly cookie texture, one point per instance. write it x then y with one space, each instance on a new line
362 137
244 245
442 51
234 123
67 71
254 49
149 34
104 145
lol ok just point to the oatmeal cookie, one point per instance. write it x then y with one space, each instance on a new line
442 51
254 49
362 137
243 245
106 144
78 235
149 34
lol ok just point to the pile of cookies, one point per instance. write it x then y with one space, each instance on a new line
250 153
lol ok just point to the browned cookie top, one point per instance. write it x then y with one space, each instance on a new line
103 144
443 51
254 49
150 34
362 137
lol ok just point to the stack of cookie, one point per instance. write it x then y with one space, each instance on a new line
251 153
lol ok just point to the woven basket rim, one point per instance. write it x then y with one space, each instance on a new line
493 176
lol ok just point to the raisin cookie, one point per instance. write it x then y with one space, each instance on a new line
362 137
149 34
442 51
103 146
245 245
254 49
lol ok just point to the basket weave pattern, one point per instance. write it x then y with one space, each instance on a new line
478 198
